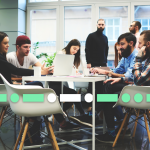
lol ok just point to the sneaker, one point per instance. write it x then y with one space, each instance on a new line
69 126
85 120
106 138
128 131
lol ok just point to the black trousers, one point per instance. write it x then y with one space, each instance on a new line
56 86
107 106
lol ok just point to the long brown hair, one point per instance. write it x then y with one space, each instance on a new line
117 56
74 42
2 36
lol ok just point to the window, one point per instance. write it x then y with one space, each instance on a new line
145 24
41 0
142 14
77 25
112 29
43 30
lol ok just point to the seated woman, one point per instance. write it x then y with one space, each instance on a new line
72 48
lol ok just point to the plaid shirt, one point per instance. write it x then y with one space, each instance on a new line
141 73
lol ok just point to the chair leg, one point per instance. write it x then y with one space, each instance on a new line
118 134
53 119
135 125
19 136
2 116
51 134
24 135
126 124
147 127
1 111
29 135
147 112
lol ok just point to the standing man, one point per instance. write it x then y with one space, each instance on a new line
135 28
96 47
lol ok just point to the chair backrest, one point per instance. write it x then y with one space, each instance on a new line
135 97
30 101
3 96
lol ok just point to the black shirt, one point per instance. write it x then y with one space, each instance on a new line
6 69
96 48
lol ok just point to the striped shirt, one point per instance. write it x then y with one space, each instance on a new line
141 73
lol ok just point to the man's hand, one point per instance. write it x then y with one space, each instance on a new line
99 71
88 65
142 52
114 80
45 70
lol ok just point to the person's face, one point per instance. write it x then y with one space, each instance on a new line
74 49
132 28
101 25
141 42
125 48
4 45
24 49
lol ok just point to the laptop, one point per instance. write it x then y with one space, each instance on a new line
63 64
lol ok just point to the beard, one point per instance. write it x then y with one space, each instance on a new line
133 31
100 30
125 52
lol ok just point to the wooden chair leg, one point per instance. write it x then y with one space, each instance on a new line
51 134
147 112
19 136
53 119
147 127
29 135
135 125
118 134
2 111
24 135
2 116
126 124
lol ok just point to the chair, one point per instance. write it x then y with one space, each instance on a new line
3 102
20 104
134 97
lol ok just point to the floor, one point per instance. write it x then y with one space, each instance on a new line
9 133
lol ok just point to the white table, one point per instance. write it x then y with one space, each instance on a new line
74 79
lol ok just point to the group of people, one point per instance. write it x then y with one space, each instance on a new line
132 52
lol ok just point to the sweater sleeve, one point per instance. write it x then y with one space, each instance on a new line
5 65
107 48
88 49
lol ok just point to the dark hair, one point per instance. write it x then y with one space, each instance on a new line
137 23
128 36
146 34
100 20
117 59
74 42
2 36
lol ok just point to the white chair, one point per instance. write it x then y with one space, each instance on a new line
134 97
3 102
32 109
